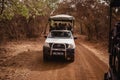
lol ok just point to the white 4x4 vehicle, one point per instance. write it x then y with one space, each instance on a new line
59 43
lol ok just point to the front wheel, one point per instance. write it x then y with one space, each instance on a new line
45 57
71 58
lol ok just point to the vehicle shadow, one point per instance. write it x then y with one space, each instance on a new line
33 61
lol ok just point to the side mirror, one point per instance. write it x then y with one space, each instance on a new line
45 36
75 37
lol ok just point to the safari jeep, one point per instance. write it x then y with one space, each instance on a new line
59 43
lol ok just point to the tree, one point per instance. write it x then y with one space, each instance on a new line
26 8
24 18
90 15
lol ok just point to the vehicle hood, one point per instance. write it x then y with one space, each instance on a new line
59 40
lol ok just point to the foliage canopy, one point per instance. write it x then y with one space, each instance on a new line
26 8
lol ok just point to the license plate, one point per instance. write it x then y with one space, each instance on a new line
57 53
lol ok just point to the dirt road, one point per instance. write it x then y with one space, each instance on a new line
24 62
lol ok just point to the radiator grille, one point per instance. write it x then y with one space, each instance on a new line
58 46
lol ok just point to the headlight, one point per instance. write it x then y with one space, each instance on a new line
70 46
46 45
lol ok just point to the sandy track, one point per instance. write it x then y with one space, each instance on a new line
26 63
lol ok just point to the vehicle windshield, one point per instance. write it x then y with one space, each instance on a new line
59 34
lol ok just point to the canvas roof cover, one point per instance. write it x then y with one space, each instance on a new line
62 17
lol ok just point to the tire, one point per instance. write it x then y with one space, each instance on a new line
45 57
72 58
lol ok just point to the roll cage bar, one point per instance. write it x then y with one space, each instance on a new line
60 18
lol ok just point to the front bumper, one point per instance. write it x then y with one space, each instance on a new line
66 52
